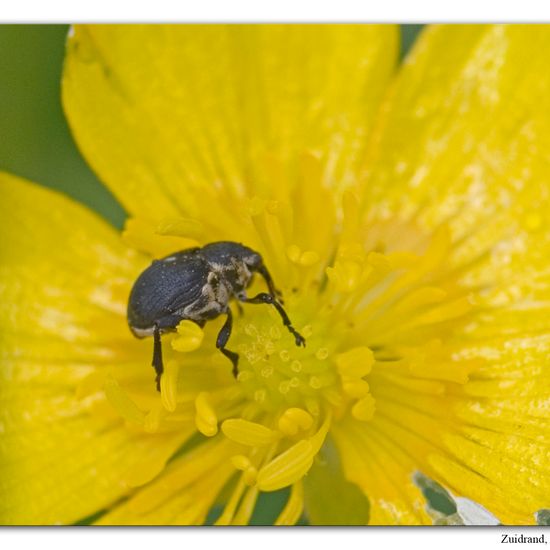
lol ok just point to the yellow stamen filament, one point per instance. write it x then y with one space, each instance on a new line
231 506
205 417
189 338
420 297
287 468
154 418
142 235
248 433
90 384
293 420
345 275
122 402
153 461
292 464
246 507
168 385
244 464
293 509
180 227
303 258
356 388
364 408
446 312
355 363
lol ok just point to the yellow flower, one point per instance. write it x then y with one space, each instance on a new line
403 214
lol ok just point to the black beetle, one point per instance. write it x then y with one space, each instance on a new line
197 284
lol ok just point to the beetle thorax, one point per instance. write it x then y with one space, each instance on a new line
224 282
235 275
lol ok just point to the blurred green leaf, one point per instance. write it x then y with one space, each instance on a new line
437 497
543 517
36 141
409 34
447 509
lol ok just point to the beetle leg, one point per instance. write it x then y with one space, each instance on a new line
262 270
223 337
264 298
157 356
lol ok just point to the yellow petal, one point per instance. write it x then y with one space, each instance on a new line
163 111
64 279
182 494
462 143
381 470
461 139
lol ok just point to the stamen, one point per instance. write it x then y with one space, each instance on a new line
293 420
309 258
205 417
90 384
248 433
364 408
306 258
294 463
356 388
350 207
121 401
293 509
180 227
142 235
244 464
154 418
312 405
355 363
190 337
168 385
287 468
246 507
445 312
231 506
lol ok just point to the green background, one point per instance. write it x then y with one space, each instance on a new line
35 140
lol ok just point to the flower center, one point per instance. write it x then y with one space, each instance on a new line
273 371
373 307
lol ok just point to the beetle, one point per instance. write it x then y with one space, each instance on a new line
197 284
